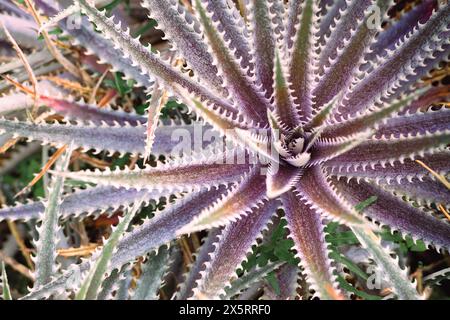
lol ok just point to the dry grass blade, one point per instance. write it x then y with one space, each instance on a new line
187 253
188 5
444 211
77 252
67 84
91 161
10 143
107 98
25 62
23 248
16 234
438 176
47 166
69 66
18 85
17 266
97 86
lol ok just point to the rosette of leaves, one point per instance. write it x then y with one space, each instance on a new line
323 100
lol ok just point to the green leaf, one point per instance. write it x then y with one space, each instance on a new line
5 284
140 109
251 277
345 285
331 227
277 249
56 31
335 255
122 85
273 282
420 246
152 23
111 5
121 161
366 203
341 238
24 173
405 244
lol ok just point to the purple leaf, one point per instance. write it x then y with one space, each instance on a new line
95 44
24 31
231 249
407 22
150 63
162 228
303 59
88 136
242 89
207 248
307 231
235 30
285 110
287 277
392 171
280 179
341 68
387 150
425 191
79 110
407 64
367 120
91 201
416 123
262 25
182 28
317 193
246 195
171 177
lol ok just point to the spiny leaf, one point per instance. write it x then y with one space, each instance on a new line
318 194
437 278
231 249
172 177
306 229
152 271
242 90
181 27
413 57
46 244
108 284
369 119
233 206
85 202
384 150
264 41
303 62
150 63
283 283
284 104
91 136
397 277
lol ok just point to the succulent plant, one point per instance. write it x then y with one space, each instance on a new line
312 112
